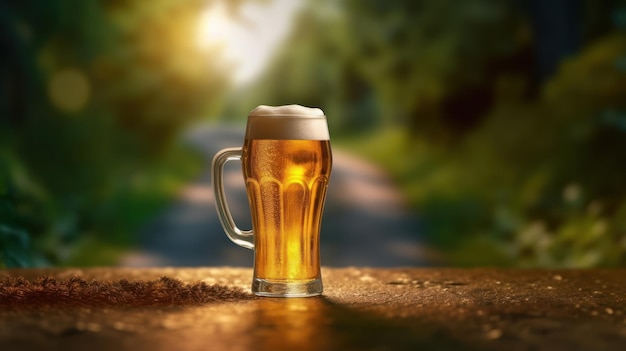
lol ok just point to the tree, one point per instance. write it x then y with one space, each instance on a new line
93 93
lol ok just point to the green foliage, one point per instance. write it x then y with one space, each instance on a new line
374 63
537 184
24 217
93 96
14 237
504 169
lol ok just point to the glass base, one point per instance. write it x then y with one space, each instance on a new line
262 287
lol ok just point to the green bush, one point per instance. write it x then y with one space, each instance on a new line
93 98
538 184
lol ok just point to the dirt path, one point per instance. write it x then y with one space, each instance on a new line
366 222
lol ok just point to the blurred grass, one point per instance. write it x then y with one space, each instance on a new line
438 186
481 219
133 206
38 229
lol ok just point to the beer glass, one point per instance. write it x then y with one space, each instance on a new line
286 161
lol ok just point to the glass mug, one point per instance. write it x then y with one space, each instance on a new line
286 161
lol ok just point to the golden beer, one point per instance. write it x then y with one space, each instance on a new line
286 181
286 160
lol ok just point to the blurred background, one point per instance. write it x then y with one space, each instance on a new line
465 133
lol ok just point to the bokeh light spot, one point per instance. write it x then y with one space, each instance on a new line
69 90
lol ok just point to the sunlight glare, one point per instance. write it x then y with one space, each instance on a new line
214 27
248 39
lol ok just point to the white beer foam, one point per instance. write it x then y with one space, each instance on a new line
288 122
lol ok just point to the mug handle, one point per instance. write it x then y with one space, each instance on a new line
243 238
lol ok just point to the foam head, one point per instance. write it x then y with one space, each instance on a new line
289 122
